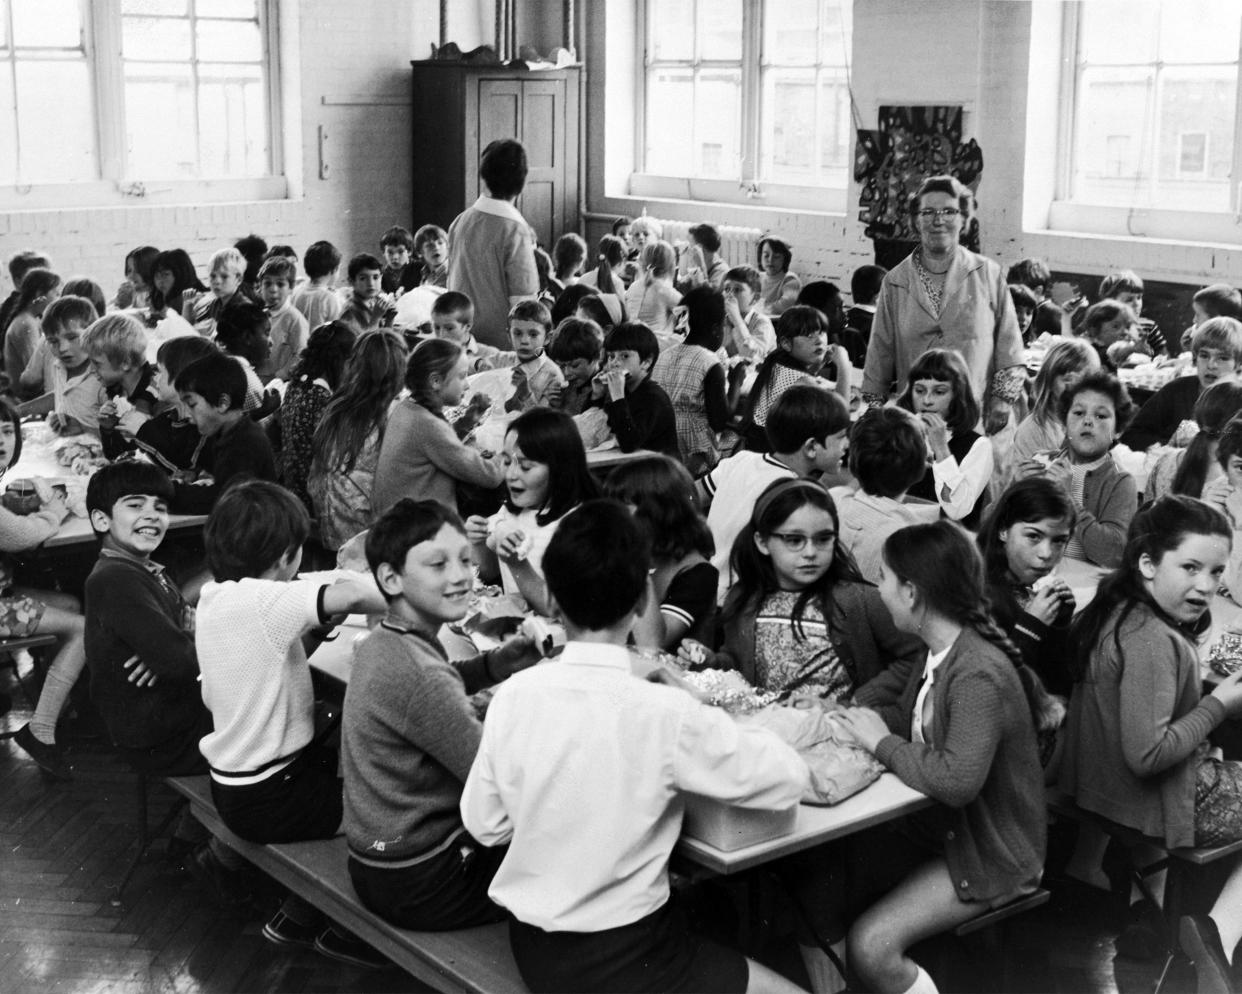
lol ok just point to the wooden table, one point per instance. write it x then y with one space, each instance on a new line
602 460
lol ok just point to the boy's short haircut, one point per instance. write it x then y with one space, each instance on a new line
403 526
569 248
68 308
888 454
706 235
126 478
531 310
620 223
82 286
279 267
177 353
1230 443
1023 296
748 275
1220 300
397 235
214 377
1033 274
1122 281
363 261
238 322
454 303
576 338
429 233
1222 333
282 252
633 336
228 258
865 283
321 259
503 168
254 525
20 263
596 564
119 338
803 412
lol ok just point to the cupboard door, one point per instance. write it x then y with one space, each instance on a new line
543 134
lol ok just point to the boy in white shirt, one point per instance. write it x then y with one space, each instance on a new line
582 770
317 301
289 329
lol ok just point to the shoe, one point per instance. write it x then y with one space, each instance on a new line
338 944
49 757
1201 942
229 887
1143 936
179 852
284 931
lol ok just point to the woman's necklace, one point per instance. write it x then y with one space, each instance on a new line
933 282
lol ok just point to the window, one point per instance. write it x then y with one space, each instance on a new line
136 97
1155 97
750 96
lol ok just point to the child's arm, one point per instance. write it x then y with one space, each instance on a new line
31 379
959 487
160 642
483 810
484 557
352 597
458 460
1102 530
1155 422
631 427
845 372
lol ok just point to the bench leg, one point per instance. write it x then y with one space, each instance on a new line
146 837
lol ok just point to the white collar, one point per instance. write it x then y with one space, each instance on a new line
869 308
616 657
498 208
935 660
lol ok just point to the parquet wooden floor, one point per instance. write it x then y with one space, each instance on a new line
65 846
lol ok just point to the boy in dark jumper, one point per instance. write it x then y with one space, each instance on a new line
212 390
639 411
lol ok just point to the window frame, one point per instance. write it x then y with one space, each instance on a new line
1068 214
117 185
750 189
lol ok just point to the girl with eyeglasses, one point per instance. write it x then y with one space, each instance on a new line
800 619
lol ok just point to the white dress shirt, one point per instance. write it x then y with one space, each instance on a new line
965 482
921 719
581 770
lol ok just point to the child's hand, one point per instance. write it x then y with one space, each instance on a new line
1048 601
514 545
514 655
937 432
732 310
614 382
997 417
555 396
108 409
840 357
665 676
476 529
1229 692
695 654
185 475
139 674
597 386
1218 492
861 726
1061 473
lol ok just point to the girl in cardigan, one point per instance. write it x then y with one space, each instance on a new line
347 442
683 583
1136 747
800 617
1194 470
421 456
1022 540
939 394
962 731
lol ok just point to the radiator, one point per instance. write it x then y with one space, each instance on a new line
738 246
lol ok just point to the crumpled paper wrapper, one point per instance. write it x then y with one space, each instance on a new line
1226 655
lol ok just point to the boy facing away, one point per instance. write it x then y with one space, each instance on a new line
582 771
316 299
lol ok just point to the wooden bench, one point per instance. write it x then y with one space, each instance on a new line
476 959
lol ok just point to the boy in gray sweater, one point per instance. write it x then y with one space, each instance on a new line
409 732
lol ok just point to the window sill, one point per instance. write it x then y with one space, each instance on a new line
761 196
171 193
1191 228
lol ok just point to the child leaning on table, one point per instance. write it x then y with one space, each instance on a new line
582 771
272 778
117 346
409 732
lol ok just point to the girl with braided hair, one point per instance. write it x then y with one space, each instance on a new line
963 731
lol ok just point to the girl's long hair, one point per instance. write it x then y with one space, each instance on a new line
37 282
371 380
1213 410
431 357
755 575
327 350
661 492
9 413
552 438
1035 499
943 565
797 320
945 366
611 254
185 277
1155 531
1069 355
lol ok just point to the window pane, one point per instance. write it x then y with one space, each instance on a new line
159 122
720 30
1200 31
717 124
225 8
1112 122
169 8
8 133
835 32
157 39
229 41
791 32
669 140
47 23
1118 31
835 125
672 30
232 116
56 121
1195 151
789 115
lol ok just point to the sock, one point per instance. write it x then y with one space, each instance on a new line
228 859
923 984
822 971
56 687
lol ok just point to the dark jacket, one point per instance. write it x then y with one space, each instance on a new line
1167 408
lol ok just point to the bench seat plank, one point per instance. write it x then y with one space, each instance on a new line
469 960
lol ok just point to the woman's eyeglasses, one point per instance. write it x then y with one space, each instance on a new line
937 214
795 542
